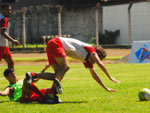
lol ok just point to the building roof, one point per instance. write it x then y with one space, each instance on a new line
119 2
72 3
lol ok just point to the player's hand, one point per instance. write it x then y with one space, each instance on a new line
111 90
16 42
114 80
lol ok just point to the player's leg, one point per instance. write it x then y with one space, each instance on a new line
10 62
31 76
7 57
52 95
30 88
26 87
60 67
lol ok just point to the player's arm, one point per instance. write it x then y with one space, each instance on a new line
99 81
7 36
101 65
5 92
45 68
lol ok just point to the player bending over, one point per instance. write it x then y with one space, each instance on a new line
26 91
59 48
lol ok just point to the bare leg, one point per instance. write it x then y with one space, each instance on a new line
61 67
46 76
10 62
30 87
26 87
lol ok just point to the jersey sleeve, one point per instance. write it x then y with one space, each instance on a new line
90 49
4 23
88 65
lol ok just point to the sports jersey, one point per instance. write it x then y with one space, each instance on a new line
17 94
62 47
75 48
3 24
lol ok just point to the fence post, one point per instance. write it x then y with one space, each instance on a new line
129 23
96 20
24 26
44 41
59 20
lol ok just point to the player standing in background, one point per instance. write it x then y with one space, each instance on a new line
5 12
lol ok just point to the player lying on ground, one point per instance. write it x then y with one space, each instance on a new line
60 47
25 90
5 12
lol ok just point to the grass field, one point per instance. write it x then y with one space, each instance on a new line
81 94
35 59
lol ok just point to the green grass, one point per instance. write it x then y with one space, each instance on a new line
81 94
28 46
16 59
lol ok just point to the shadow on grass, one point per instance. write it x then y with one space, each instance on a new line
4 101
142 101
75 102
65 102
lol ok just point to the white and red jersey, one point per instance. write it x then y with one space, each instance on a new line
3 24
76 49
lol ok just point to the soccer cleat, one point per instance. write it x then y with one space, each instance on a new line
52 99
56 99
57 86
29 78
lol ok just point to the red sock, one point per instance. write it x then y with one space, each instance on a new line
35 89
52 90
33 75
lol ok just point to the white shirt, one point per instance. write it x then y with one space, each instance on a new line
74 48
3 40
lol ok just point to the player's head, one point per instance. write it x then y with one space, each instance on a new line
6 10
101 52
10 75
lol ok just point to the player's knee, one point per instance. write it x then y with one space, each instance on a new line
67 68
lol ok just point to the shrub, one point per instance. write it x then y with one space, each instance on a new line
108 37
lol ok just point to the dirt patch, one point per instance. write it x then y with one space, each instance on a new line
117 52
110 52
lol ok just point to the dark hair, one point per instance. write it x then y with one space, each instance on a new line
101 52
8 71
4 6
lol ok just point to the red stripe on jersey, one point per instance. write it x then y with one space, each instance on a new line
90 49
4 23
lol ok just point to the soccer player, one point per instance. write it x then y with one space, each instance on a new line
24 91
60 47
5 12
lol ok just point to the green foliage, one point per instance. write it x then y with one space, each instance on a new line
92 41
27 46
108 37
81 94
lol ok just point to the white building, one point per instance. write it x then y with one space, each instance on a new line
116 17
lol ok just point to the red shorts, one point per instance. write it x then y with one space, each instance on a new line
4 53
34 96
54 49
